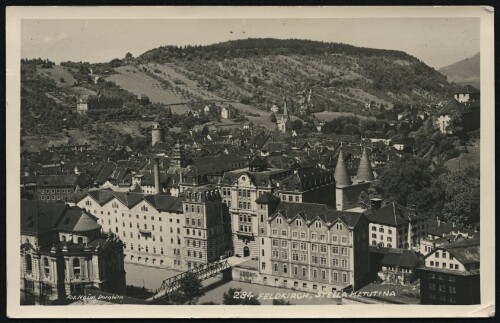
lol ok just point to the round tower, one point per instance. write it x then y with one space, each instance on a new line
156 132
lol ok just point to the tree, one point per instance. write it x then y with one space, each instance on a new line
272 117
129 55
297 124
234 296
461 195
190 288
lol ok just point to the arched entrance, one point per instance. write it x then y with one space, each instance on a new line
246 251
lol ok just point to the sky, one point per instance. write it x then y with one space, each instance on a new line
436 41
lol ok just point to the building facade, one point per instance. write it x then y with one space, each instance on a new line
450 275
395 226
55 187
63 251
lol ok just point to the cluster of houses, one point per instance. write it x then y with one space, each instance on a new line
292 204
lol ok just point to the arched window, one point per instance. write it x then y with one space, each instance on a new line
80 240
29 264
76 267
199 222
63 238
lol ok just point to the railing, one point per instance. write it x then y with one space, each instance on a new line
202 272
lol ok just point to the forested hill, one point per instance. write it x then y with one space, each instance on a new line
244 48
265 71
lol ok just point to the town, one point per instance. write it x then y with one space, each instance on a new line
129 200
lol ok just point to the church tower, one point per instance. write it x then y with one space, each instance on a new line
284 120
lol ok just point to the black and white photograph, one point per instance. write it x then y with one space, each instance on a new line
250 156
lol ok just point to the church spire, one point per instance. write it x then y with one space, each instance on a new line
341 174
285 111
365 171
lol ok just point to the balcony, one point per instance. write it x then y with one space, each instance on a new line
246 234
145 232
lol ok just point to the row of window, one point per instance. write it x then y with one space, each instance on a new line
443 298
442 288
290 198
195 254
54 197
374 236
314 236
137 216
172 240
443 265
52 191
314 272
442 277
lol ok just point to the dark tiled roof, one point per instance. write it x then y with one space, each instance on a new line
165 202
468 89
304 179
400 257
311 211
56 180
77 220
440 228
37 216
454 105
466 251
392 214
267 198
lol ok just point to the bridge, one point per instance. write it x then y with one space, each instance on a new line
203 271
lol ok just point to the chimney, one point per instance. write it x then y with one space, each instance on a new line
438 221
156 168
375 203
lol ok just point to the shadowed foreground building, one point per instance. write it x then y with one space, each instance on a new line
63 251
451 274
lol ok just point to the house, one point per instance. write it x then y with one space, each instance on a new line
55 187
467 110
393 265
467 94
143 99
451 274
248 125
225 113
64 251
395 225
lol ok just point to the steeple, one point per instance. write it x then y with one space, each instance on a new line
341 174
365 171
285 111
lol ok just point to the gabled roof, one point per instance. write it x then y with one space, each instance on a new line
468 89
304 179
398 257
466 251
440 228
57 180
392 214
163 202
454 105
312 211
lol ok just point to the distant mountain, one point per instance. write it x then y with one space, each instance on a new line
466 71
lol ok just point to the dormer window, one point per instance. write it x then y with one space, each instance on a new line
144 208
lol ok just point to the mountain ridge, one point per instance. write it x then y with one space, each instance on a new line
466 71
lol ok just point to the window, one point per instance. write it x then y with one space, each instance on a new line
344 240
432 263
302 235
275 254
314 235
344 277
285 268
284 255
294 245
304 272
452 279
295 256
437 254
303 246
276 243
452 290
322 237
275 232
283 233
295 271
76 267
344 251
284 243
322 248
314 247
381 230
29 264
335 250
432 286
46 268
343 263
263 266
323 274
335 276
335 262
295 234
275 267
334 239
